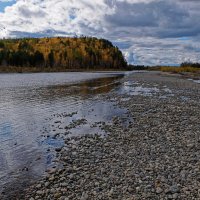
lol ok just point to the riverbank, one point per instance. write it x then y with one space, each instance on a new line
10 69
186 75
153 153
186 72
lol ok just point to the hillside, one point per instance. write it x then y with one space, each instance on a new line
64 53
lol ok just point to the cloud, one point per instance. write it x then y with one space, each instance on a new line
147 31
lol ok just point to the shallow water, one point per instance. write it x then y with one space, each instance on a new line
36 107
133 88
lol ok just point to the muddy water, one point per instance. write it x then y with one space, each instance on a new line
35 108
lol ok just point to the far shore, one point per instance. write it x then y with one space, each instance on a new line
51 70
27 70
187 75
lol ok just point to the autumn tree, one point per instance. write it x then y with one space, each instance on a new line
51 58
79 52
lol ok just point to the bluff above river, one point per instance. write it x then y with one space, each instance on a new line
61 52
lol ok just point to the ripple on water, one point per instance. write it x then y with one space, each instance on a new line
30 104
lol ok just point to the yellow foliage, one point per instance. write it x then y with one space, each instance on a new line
180 69
71 52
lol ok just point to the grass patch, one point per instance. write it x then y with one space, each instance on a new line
180 69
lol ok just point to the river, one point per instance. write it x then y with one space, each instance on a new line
36 107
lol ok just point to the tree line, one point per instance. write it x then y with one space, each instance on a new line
69 53
190 64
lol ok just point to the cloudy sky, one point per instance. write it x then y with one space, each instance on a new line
149 32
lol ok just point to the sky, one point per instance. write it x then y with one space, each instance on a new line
149 32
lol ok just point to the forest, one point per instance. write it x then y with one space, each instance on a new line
61 52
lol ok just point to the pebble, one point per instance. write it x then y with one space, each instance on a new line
46 184
159 190
84 196
154 158
38 186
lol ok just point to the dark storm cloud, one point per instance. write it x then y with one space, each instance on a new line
157 18
132 15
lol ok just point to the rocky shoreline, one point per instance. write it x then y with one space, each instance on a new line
155 156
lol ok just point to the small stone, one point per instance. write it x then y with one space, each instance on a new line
51 171
74 153
46 184
159 190
175 196
148 187
94 193
38 186
140 181
57 195
40 192
63 184
199 192
63 190
174 189
71 176
51 178
130 189
52 190
137 188
110 192
87 176
190 145
62 198
170 197
96 183
84 196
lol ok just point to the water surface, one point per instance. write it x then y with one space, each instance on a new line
35 108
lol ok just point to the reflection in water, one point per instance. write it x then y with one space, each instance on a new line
31 116
99 86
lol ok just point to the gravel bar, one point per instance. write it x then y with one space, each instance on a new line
154 156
